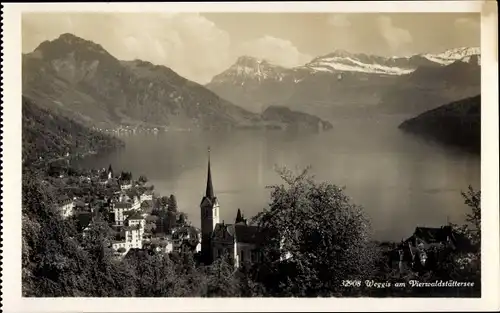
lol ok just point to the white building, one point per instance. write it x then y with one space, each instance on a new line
65 206
125 185
146 196
130 235
119 210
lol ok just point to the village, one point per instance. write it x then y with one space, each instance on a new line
139 219
144 221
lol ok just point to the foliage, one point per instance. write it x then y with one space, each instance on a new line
221 279
182 220
47 136
56 260
172 204
142 179
325 235
126 176
473 200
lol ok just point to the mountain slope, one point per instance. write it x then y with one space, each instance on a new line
343 82
47 135
79 79
457 123
76 75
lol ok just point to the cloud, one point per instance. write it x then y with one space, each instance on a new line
190 44
337 20
276 50
468 23
396 38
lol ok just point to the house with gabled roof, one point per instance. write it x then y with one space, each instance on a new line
125 184
418 251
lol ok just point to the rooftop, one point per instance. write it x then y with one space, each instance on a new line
135 216
123 205
241 233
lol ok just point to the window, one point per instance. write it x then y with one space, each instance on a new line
242 256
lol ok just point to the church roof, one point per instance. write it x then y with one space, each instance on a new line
240 233
248 234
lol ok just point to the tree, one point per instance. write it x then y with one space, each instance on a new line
172 204
142 179
325 237
163 201
221 279
182 220
171 220
473 200
55 262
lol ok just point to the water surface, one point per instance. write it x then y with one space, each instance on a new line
401 180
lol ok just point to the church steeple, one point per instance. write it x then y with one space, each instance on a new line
209 193
209 215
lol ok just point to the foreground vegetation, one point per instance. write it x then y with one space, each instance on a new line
328 240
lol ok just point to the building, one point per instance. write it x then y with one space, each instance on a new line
119 210
209 216
136 219
419 251
240 241
186 238
125 184
65 206
110 172
129 234
146 196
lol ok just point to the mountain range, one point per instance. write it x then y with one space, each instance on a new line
343 82
79 79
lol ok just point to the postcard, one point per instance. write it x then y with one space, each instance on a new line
254 156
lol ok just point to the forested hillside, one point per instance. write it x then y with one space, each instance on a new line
47 136
457 123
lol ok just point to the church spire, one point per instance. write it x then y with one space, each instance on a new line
210 189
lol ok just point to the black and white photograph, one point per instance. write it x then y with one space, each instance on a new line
246 154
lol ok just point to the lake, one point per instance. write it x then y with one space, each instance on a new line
401 180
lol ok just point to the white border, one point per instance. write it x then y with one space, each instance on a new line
11 176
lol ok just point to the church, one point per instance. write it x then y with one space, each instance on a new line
239 240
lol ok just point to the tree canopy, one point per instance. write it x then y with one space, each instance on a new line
326 237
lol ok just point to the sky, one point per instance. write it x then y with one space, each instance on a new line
199 46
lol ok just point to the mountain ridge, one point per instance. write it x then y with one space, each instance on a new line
80 79
351 83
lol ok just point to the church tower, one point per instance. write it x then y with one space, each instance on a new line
110 172
209 215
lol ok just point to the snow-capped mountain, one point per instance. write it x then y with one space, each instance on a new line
248 68
343 61
345 80
449 56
